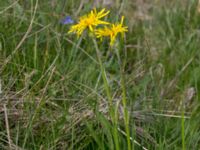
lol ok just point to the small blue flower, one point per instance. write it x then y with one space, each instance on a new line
67 20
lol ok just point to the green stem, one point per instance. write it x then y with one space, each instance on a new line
35 52
124 101
183 129
108 92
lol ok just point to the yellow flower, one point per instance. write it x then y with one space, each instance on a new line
89 21
112 32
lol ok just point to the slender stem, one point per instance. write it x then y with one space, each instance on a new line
114 116
183 128
7 127
106 84
126 114
35 52
124 101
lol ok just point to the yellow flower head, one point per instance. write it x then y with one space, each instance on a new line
89 21
112 32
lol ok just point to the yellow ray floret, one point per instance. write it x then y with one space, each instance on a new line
112 31
89 21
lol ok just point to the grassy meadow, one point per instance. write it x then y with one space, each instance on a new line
61 92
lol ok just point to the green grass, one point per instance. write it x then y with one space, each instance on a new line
60 92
